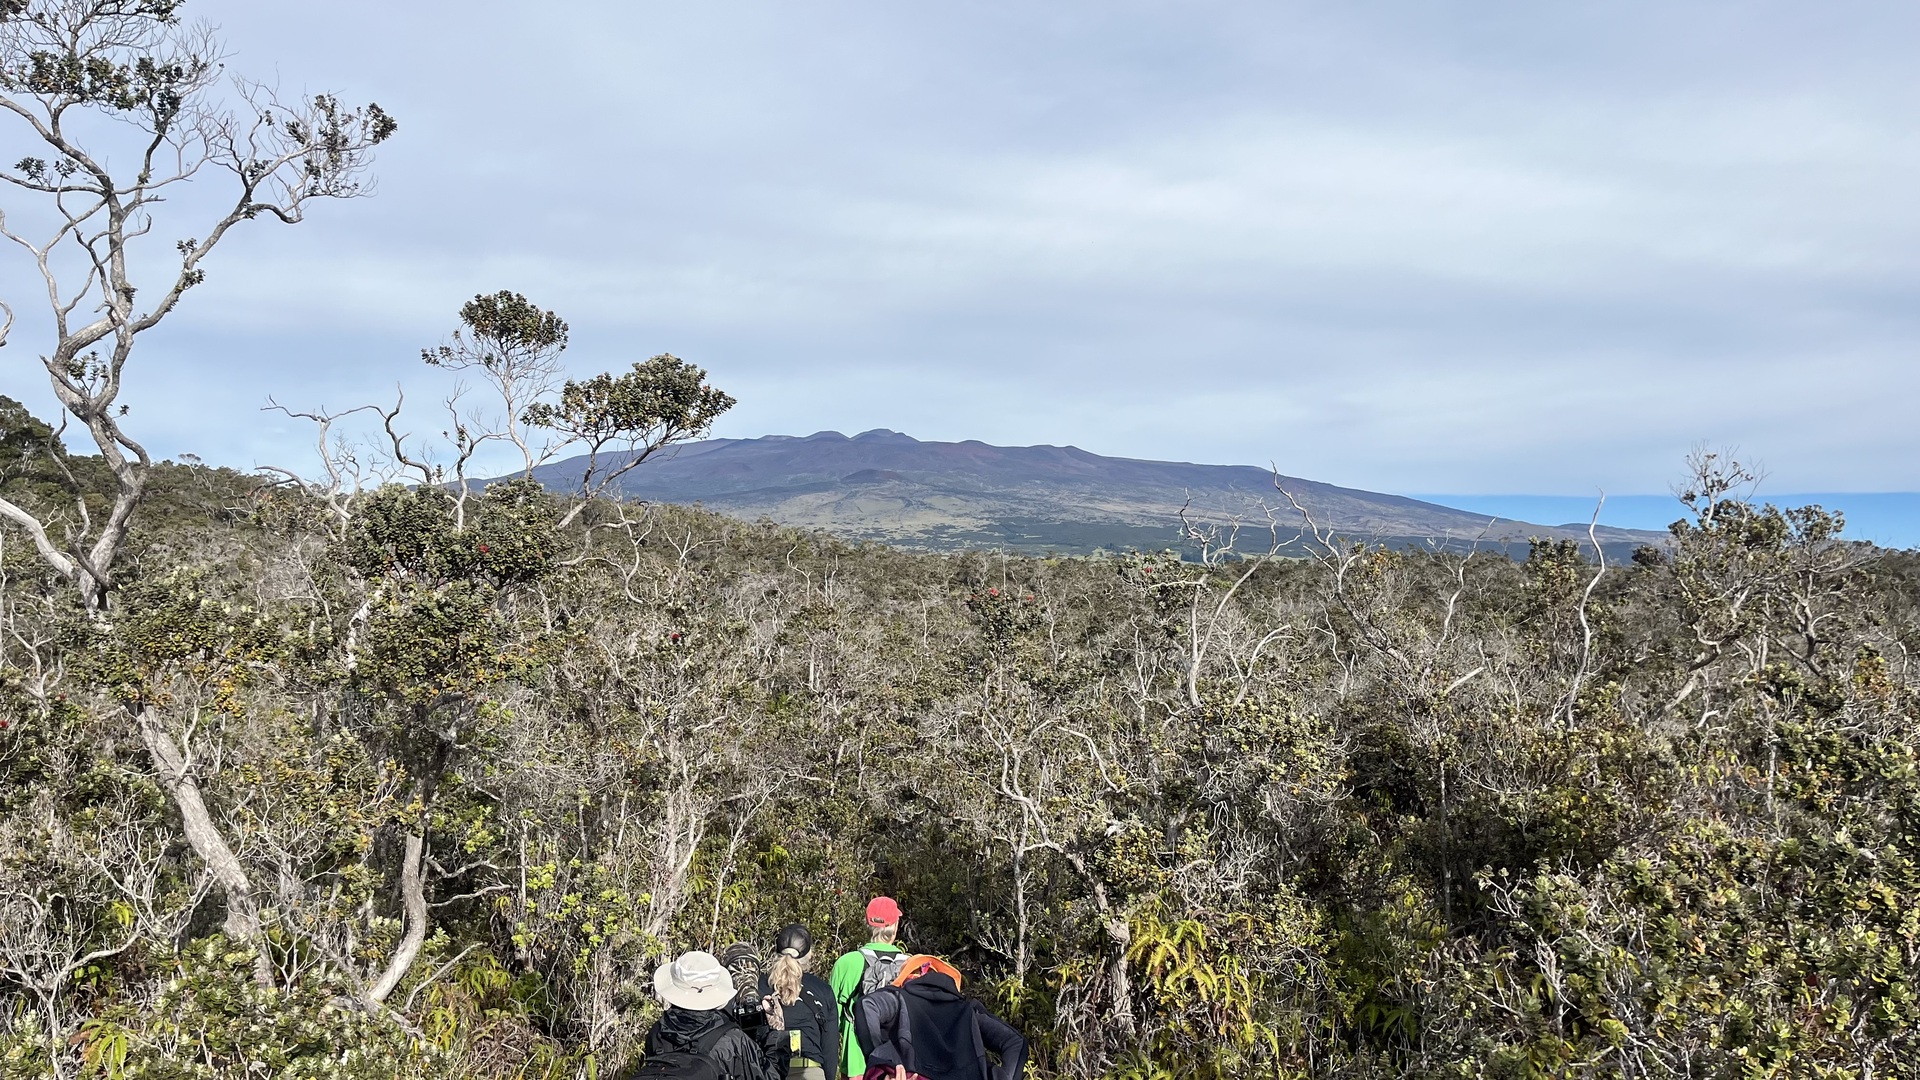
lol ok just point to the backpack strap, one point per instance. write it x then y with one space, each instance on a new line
868 958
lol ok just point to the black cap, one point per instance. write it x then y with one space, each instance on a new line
793 937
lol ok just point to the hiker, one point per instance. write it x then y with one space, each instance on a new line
922 1028
808 1047
867 969
695 1037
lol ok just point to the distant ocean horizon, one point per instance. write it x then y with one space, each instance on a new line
1888 518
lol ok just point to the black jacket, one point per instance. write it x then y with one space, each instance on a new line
815 1017
928 1027
736 1055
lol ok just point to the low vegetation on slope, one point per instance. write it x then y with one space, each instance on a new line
437 782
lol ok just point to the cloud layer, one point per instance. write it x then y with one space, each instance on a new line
1412 247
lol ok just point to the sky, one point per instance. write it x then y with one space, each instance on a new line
1889 519
1483 247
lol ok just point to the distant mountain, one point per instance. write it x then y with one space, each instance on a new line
882 485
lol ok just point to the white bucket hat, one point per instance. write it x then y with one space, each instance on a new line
696 981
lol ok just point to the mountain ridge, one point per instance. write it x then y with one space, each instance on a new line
884 485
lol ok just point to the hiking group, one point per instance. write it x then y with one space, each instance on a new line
882 1014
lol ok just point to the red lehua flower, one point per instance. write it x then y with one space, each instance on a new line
483 549
993 592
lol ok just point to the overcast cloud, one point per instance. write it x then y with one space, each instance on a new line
1400 246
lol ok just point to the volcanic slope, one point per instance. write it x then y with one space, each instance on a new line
885 486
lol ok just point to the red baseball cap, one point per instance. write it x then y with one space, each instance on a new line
882 911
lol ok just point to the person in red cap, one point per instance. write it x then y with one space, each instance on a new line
863 971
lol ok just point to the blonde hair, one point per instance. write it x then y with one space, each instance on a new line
785 974
887 935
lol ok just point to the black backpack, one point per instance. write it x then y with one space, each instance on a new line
693 1063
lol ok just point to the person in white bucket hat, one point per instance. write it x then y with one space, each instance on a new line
695 1037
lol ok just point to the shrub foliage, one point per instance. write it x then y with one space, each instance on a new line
482 762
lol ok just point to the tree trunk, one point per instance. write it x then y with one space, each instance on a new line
1119 935
243 914
1020 950
413 895
1119 985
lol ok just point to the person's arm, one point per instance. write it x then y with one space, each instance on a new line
845 980
829 1021
878 1025
1001 1038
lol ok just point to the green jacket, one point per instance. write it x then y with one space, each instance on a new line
846 983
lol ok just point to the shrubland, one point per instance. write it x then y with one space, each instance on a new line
476 764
